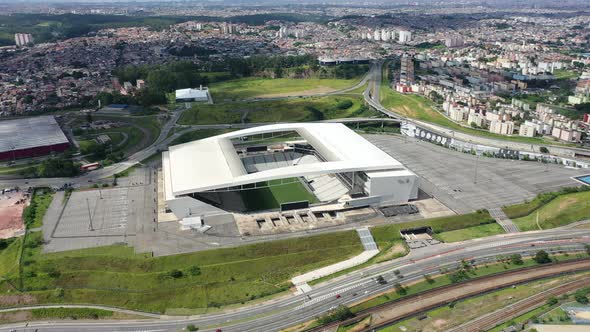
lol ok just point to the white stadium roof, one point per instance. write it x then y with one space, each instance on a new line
30 133
213 163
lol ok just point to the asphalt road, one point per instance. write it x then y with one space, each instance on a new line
277 314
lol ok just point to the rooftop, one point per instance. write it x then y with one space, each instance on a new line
213 163
30 133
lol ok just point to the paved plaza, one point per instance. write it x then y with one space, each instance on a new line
450 176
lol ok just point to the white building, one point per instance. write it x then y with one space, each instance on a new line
477 118
454 41
329 158
23 39
502 127
527 130
404 37
187 95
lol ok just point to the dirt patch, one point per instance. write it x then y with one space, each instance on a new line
12 205
310 92
14 300
15 316
439 323
567 202
395 251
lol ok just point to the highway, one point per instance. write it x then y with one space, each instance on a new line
277 314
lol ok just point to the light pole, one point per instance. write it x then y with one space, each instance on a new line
89 216
475 172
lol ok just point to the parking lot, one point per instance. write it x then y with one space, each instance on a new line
99 217
452 178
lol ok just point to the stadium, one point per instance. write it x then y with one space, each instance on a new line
280 167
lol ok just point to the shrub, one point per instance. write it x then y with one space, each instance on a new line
552 300
194 270
339 314
176 274
516 259
581 297
344 104
191 327
542 257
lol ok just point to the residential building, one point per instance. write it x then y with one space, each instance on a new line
502 127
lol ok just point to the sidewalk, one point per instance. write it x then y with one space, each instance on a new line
371 250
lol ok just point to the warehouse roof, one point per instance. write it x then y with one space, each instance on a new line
191 94
213 163
28 133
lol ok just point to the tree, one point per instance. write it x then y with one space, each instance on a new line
552 301
341 313
542 257
400 290
581 297
57 167
516 259
543 149
191 327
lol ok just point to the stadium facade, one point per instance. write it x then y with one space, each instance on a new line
30 137
334 163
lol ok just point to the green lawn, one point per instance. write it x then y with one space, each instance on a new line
41 202
9 258
556 316
15 169
197 135
470 233
116 276
385 234
271 197
251 87
561 211
565 74
288 110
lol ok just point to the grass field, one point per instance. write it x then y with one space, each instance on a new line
385 234
9 258
271 197
555 316
470 233
116 276
560 211
197 134
252 87
288 110
41 203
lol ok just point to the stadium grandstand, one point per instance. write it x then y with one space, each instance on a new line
281 167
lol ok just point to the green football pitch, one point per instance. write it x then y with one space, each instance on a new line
271 197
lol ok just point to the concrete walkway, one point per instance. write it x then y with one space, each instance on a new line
503 220
371 250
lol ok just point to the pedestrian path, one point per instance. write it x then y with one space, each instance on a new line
502 219
371 250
